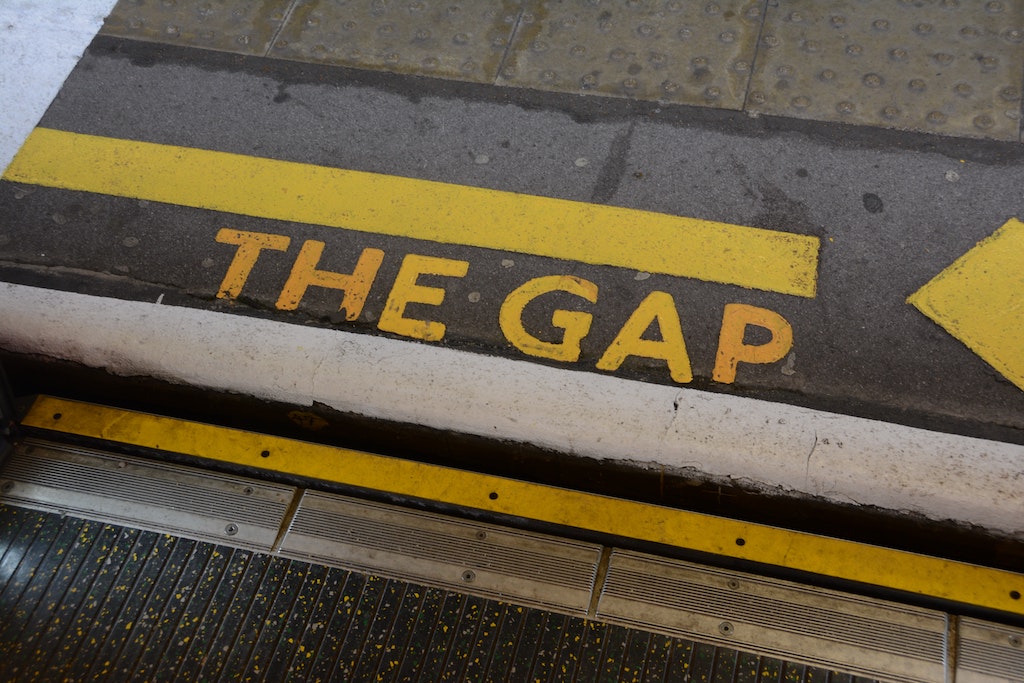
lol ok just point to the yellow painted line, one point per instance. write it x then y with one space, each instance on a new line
903 571
453 214
979 299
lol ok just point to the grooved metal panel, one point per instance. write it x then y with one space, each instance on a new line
230 26
479 558
947 67
245 512
820 627
989 653
445 38
85 600
697 53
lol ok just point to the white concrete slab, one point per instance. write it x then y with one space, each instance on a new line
40 42
776 446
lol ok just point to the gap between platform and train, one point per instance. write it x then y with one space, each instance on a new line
885 568
733 614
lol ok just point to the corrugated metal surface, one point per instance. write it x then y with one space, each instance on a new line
989 653
873 638
86 600
485 560
155 496
482 559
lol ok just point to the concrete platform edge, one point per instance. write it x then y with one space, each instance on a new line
833 457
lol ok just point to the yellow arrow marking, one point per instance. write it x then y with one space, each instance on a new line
439 212
980 300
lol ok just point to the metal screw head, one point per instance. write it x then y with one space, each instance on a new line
725 628
481 535
734 584
7 486
469 576
231 529
1015 641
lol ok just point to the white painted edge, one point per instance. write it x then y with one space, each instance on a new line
835 457
40 42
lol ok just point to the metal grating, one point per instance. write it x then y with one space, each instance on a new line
155 604
944 67
825 628
85 600
194 503
989 653
485 559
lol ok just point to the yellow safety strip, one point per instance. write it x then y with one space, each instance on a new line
440 212
866 564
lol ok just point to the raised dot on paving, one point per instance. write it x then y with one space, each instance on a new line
226 25
454 39
683 52
951 68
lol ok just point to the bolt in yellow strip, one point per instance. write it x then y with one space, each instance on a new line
439 212
899 570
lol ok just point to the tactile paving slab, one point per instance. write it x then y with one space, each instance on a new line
952 67
461 40
226 25
683 52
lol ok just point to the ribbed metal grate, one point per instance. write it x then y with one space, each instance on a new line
823 627
387 546
84 600
813 621
404 536
141 483
144 493
481 558
989 653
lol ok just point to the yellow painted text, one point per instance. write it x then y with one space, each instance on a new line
406 291
575 324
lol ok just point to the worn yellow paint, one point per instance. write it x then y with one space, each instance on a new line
575 324
369 202
731 348
873 565
979 299
249 244
658 307
355 285
407 291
